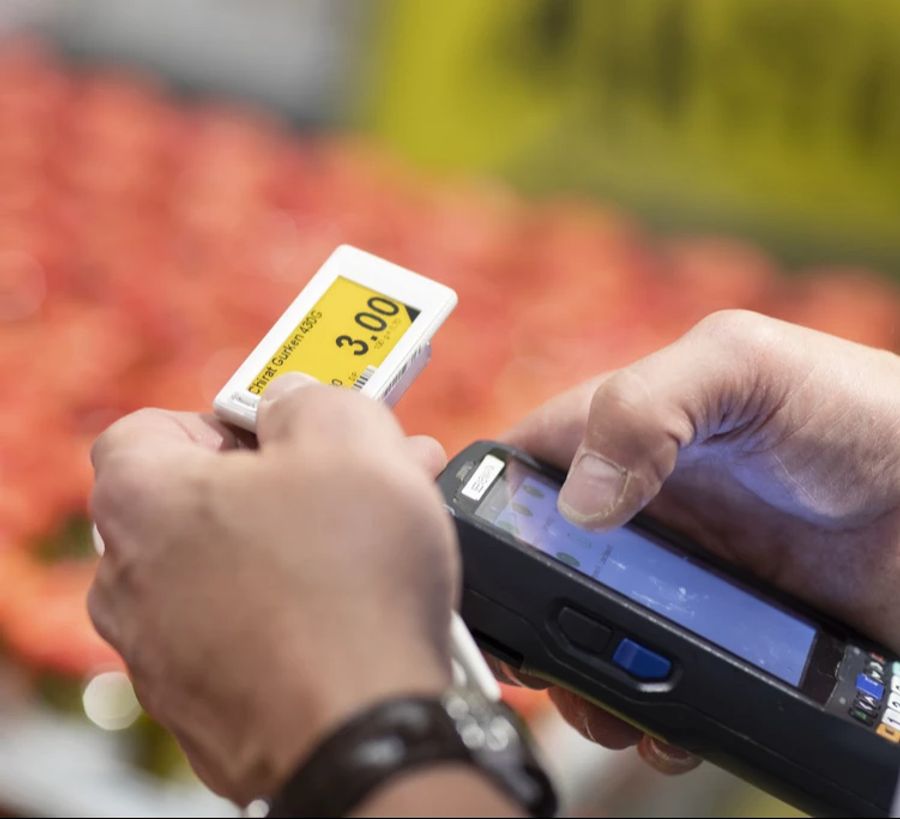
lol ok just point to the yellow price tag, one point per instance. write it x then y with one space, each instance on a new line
343 339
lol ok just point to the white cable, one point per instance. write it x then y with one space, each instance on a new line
468 657
99 545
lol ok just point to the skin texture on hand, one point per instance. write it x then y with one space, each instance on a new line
260 597
774 446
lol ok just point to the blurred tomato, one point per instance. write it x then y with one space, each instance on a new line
23 286
20 577
847 302
710 273
49 628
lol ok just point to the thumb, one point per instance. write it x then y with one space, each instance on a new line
299 411
277 415
428 453
643 416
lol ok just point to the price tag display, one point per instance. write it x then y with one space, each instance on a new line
343 339
360 323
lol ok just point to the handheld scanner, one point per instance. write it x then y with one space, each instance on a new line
673 641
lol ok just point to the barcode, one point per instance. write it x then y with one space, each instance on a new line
399 375
364 377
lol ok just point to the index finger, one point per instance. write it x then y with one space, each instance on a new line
162 431
139 461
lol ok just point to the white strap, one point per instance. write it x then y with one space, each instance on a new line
468 658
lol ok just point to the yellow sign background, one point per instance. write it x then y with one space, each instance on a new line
340 337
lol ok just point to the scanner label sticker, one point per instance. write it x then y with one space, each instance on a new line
344 338
484 476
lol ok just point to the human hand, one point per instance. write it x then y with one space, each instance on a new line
774 446
259 597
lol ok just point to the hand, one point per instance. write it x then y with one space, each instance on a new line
772 445
259 597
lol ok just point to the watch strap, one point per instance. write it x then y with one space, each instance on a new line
392 738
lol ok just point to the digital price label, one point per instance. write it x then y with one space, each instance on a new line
360 323
343 340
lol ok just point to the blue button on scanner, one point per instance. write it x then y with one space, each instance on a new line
868 686
640 662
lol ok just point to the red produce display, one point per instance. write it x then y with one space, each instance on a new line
146 245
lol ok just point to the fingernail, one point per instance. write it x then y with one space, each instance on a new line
593 488
666 758
286 383
586 727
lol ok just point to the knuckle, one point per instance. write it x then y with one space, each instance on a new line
121 483
618 395
759 346
144 658
119 432
101 442
145 691
143 415
746 329
124 575
104 498
98 611
95 606
107 441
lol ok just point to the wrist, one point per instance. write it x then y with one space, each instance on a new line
293 716
387 746
441 790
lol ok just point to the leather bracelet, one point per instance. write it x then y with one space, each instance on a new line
404 734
